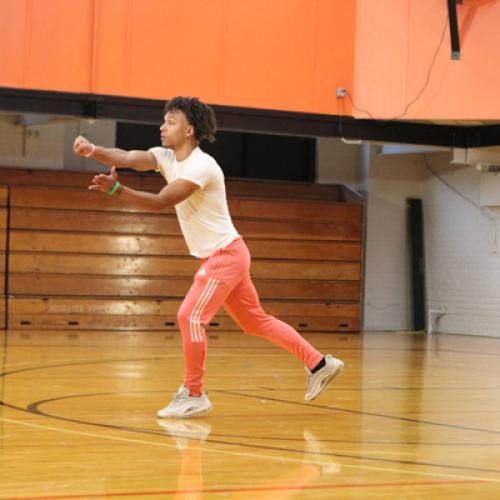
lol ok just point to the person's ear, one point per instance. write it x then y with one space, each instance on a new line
190 131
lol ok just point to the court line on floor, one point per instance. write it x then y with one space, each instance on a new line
295 403
156 358
280 459
362 413
35 408
247 490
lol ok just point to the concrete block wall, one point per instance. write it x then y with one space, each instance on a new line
392 179
462 252
462 246
462 240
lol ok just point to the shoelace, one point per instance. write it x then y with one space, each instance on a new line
179 396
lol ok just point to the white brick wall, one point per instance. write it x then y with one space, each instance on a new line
388 181
462 257
463 263
392 179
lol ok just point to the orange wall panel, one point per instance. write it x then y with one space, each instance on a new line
275 54
395 44
158 48
47 44
264 54
271 59
12 42
285 56
335 55
375 69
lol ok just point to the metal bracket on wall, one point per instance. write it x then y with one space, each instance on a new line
454 33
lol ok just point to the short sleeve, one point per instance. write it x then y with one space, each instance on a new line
164 158
201 172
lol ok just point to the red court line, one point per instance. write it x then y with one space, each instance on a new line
243 490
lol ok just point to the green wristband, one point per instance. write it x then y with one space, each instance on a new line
114 189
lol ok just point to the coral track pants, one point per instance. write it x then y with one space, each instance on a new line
223 279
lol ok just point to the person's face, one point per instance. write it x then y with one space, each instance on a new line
175 130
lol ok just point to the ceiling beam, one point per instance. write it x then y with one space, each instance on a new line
150 111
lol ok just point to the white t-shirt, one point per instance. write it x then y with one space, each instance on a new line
204 216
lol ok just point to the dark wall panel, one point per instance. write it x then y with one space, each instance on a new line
240 154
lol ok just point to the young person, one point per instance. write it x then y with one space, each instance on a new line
195 186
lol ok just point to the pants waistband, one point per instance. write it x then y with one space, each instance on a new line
236 241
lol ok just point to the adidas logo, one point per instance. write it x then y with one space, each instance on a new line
202 272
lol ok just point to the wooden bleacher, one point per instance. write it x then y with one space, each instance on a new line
3 254
84 261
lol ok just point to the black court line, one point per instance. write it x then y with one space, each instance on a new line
385 388
366 413
357 412
297 403
33 408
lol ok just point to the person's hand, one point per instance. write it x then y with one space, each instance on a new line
83 147
103 182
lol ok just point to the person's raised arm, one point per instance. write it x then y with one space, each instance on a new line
137 160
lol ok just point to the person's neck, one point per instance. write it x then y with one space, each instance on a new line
183 151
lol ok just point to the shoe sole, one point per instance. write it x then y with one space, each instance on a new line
324 383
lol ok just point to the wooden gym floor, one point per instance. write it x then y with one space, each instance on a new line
411 416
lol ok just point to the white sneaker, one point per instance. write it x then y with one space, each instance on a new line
184 406
317 382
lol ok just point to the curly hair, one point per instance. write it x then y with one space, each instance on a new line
198 114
